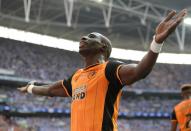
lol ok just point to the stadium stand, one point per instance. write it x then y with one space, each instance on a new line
140 109
136 111
43 63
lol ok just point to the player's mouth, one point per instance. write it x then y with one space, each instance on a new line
82 44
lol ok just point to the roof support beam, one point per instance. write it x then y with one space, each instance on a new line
143 20
135 7
39 10
68 4
107 14
27 7
180 35
0 4
145 37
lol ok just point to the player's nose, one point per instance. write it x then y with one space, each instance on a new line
84 38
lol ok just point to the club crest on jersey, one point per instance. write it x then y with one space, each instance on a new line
91 74
79 93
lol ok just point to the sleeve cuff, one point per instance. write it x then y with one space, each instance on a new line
117 74
65 88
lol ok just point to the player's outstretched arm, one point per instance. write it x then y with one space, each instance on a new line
131 73
55 89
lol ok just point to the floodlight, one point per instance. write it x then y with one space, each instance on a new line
65 44
187 21
99 1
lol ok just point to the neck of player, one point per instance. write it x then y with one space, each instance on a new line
94 59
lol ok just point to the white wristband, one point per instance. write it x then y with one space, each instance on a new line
156 47
29 89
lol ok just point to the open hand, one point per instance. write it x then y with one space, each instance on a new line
168 25
24 88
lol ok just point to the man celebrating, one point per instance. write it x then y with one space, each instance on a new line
96 89
182 112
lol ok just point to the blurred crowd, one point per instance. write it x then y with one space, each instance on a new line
144 125
37 62
129 104
166 77
154 104
63 124
50 64
34 124
44 63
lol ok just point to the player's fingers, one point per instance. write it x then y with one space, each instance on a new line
21 88
177 22
172 27
181 14
170 15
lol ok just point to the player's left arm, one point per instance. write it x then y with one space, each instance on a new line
130 73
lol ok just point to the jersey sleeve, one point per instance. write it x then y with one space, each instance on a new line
173 116
111 73
67 85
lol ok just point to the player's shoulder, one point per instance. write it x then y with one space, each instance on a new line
114 62
78 71
181 104
112 65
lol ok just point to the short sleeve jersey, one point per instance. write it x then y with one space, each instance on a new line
180 113
95 93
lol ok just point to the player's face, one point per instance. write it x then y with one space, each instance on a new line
91 43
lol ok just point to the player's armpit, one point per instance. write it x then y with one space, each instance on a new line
127 74
131 73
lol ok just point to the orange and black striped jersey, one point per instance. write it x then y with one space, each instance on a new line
180 114
95 93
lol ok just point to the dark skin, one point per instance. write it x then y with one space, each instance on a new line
174 125
94 50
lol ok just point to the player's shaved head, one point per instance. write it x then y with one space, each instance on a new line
186 87
107 43
186 90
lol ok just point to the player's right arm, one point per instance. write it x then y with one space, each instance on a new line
173 125
56 89
130 73
173 121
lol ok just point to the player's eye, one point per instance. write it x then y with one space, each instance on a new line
91 36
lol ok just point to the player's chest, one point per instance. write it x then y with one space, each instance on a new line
88 78
86 84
